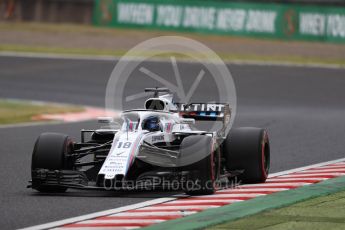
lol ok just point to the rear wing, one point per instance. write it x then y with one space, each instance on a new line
206 112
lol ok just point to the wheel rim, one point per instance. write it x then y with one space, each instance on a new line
266 159
265 155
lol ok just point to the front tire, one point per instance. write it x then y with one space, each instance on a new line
50 153
248 149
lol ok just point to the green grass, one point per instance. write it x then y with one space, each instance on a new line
68 28
225 57
12 111
325 212
87 30
59 50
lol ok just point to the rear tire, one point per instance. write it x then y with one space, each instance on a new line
203 176
248 149
50 153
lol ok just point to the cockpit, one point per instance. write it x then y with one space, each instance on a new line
152 124
134 120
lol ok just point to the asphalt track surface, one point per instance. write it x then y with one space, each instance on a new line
302 108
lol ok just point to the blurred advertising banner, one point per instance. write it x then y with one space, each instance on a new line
284 21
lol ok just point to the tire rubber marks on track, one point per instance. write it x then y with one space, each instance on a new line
89 113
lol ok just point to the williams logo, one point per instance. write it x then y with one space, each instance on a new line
118 154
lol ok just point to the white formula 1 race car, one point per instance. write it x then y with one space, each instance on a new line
155 147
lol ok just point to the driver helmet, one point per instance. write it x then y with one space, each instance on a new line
152 124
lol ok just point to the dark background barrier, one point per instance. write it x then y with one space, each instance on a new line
56 11
80 11
305 2
314 20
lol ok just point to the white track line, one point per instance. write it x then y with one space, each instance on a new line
163 200
274 184
333 167
138 214
227 191
196 201
306 167
98 228
98 214
113 58
134 220
305 175
182 207
339 163
294 179
250 195
324 171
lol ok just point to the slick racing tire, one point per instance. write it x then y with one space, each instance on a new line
248 149
50 153
203 174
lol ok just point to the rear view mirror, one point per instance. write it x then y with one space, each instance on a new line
105 120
